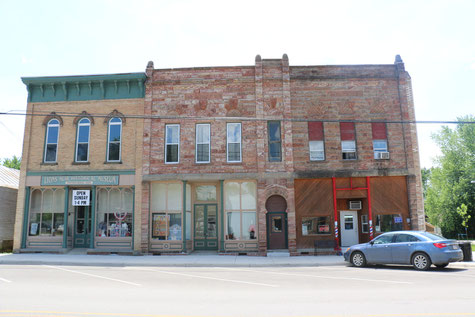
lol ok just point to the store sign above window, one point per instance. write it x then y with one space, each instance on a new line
80 180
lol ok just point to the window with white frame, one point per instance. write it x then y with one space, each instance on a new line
172 143
348 149
82 140
114 140
240 207
166 207
364 224
380 139
233 140
315 141
348 140
203 143
47 212
379 146
51 146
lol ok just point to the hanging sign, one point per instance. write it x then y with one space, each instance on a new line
81 197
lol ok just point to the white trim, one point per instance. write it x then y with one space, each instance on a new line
108 139
208 143
88 124
321 151
46 140
240 142
166 143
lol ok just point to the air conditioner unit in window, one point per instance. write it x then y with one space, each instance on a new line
383 156
355 204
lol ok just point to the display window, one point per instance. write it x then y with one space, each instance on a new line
166 207
385 223
114 212
240 200
315 225
46 212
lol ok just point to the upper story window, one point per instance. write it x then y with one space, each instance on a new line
51 144
82 140
275 141
380 140
114 140
172 143
203 140
348 140
233 142
315 141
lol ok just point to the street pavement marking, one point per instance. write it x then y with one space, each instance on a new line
325 277
5 280
93 275
208 278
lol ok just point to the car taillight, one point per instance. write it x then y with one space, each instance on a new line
440 245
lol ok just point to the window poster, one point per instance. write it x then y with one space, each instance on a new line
159 226
81 197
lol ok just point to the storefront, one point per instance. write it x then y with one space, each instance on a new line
95 212
190 216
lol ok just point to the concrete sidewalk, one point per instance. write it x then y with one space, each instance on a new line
200 260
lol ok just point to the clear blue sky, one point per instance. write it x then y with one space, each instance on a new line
48 38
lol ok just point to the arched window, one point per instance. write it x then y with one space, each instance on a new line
114 140
82 140
51 144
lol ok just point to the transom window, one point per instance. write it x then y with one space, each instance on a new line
233 142
82 140
203 143
51 146
172 143
114 140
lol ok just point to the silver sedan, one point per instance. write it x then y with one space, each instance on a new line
417 248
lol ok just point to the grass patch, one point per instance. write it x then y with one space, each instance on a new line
473 247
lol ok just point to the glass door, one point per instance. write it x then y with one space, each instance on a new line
206 227
82 226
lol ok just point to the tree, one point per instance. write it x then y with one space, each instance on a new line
425 172
14 162
462 211
449 185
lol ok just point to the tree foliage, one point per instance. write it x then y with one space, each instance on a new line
449 185
14 162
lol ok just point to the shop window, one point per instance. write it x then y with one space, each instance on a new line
386 223
315 225
82 140
275 141
364 224
315 141
114 140
203 143
348 141
240 207
114 212
46 212
51 146
233 142
172 143
166 207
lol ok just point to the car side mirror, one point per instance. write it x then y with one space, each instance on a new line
371 242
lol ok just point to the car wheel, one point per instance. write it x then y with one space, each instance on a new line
421 261
358 259
441 266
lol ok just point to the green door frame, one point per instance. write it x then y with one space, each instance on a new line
86 236
205 243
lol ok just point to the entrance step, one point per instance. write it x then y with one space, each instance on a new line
282 253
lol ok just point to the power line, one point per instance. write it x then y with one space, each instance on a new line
159 117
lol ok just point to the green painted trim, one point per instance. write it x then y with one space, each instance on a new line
221 184
66 212
183 231
25 217
89 87
93 217
206 239
85 173
133 217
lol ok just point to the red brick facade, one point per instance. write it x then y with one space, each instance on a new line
271 90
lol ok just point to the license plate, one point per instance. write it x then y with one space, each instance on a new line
454 247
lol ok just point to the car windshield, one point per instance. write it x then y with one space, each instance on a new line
432 236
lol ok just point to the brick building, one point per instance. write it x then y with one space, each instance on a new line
246 159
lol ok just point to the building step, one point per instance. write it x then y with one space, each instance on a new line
282 253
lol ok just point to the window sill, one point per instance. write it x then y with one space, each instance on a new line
49 163
106 162
81 163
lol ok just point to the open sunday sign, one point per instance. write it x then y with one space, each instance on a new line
81 197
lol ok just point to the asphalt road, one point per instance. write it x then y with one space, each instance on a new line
277 291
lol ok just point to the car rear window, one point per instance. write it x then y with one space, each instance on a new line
432 236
